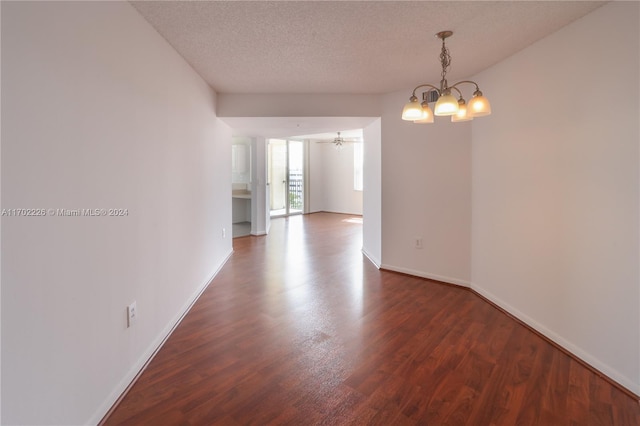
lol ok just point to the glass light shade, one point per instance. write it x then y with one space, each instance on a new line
479 106
461 115
446 105
427 114
412 111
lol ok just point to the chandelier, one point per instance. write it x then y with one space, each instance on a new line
446 102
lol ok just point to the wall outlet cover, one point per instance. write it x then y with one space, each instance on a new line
132 314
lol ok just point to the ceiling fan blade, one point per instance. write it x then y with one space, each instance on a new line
344 141
339 140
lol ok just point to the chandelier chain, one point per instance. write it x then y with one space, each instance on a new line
445 60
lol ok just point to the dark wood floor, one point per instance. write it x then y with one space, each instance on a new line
298 328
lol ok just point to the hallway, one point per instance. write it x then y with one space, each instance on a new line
300 328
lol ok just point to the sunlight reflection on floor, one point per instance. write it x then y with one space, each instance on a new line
353 220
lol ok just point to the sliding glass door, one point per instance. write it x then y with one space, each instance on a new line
286 176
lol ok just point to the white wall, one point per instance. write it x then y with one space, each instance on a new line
260 220
316 177
100 112
372 194
297 105
331 179
426 192
556 191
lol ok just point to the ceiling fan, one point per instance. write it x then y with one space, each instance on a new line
339 141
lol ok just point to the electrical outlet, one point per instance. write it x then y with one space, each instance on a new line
418 242
132 314
224 232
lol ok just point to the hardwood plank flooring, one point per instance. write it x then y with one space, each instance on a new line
299 328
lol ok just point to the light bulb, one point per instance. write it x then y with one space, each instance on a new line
447 105
479 105
427 114
413 110
461 115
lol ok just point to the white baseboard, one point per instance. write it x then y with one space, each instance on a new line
578 352
336 212
372 259
422 274
153 348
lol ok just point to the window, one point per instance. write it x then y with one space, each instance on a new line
357 166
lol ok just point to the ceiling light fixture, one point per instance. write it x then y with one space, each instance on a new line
339 141
446 103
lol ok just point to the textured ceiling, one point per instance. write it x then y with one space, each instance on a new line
348 46
352 47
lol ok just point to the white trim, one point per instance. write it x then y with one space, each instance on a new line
422 274
151 351
372 259
259 233
576 351
335 212
306 181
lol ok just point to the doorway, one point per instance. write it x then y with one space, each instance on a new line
285 170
